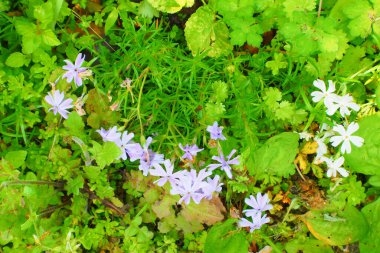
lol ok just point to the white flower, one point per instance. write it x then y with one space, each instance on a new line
305 135
343 103
60 106
346 137
327 95
335 166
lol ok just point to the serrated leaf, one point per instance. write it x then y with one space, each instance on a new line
74 124
16 158
111 20
15 60
346 227
276 156
49 38
204 33
105 154
146 10
276 64
225 237
285 110
74 185
207 211
44 14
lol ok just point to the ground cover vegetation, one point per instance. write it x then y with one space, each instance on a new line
189 126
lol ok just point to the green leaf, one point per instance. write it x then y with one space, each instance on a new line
111 20
75 125
276 64
292 6
374 180
105 154
307 245
276 156
225 237
371 242
49 38
204 33
15 60
74 185
16 158
346 227
366 159
44 14
146 10
170 6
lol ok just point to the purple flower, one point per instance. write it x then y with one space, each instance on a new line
111 135
126 144
257 222
190 151
74 70
259 204
189 185
166 175
149 158
223 163
212 186
216 132
60 106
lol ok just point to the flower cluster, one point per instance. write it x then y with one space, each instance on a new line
259 204
337 135
73 72
190 185
332 101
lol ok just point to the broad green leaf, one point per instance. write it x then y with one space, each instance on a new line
225 237
307 245
105 154
374 180
276 156
16 158
15 60
204 33
111 20
49 38
292 6
44 14
371 242
341 228
366 159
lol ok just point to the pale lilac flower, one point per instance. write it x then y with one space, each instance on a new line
257 222
126 144
335 166
166 175
343 103
223 163
213 185
259 204
189 185
74 70
346 137
56 99
111 135
327 95
149 158
190 151
134 151
216 132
